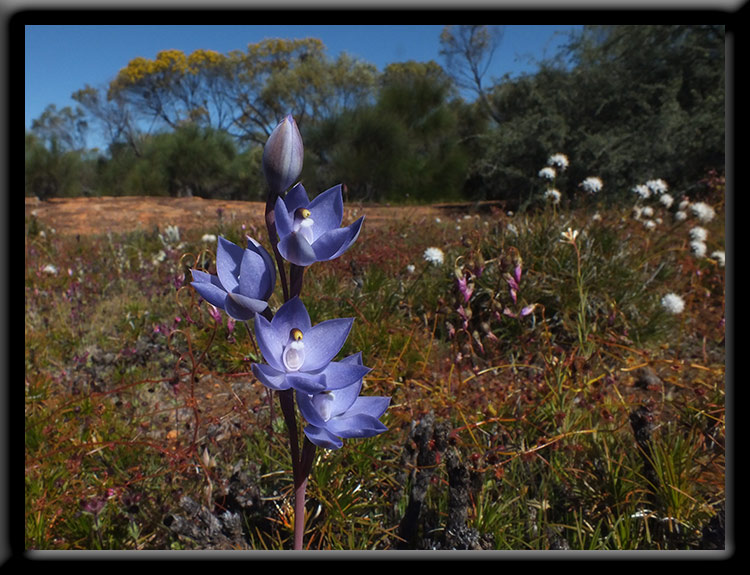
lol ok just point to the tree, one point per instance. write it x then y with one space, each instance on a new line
468 52
50 169
67 127
404 147
656 95
243 92
639 102
112 115
190 160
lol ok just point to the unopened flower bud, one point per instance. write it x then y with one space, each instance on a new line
283 155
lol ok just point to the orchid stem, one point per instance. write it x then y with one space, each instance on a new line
286 399
300 488
273 238
296 274
301 464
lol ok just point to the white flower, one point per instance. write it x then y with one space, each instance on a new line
657 186
208 238
649 224
552 195
698 234
170 236
512 229
548 173
637 211
703 211
434 256
50 269
159 257
642 190
673 303
647 211
698 248
592 184
559 160
666 200
718 255
410 268
680 216
683 205
569 235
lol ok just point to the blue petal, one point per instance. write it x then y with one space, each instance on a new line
295 249
210 292
293 314
296 198
354 230
340 376
270 377
284 220
330 243
323 341
335 242
269 279
253 274
373 406
307 383
243 308
228 263
200 276
322 438
327 211
359 425
270 345
307 409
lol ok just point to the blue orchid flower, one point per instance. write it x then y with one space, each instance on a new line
245 279
341 413
300 355
310 231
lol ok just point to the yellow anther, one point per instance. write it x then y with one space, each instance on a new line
303 213
296 334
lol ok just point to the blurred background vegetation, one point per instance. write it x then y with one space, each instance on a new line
624 103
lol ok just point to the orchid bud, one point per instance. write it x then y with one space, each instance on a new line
283 155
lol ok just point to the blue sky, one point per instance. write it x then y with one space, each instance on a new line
61 59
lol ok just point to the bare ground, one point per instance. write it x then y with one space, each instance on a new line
93 216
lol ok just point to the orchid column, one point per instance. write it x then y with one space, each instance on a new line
299 356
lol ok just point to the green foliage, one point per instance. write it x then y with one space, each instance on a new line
638 102
412 130
50 170
188 161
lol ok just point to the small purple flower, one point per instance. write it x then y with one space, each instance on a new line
299 355
93 505
341 413
283 155
310 231
466 287
244 280
513 286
